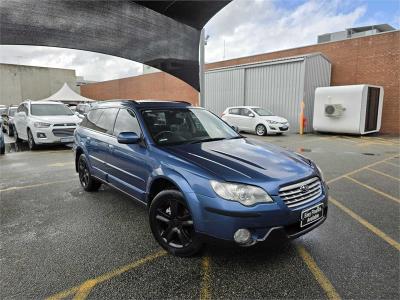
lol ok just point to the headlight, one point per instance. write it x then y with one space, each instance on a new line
245 194
41 125
272 122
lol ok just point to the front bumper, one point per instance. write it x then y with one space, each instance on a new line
54 135
220 218
280 127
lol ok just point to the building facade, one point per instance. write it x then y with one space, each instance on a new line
280 85
19 82
373 59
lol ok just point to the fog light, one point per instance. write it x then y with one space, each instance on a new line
41 135
242 236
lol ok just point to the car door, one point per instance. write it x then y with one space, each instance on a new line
99 124
20 121
129 164
233 117
246 119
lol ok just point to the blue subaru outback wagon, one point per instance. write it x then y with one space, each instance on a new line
198 177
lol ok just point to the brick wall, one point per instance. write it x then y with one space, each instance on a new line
160 85
373 60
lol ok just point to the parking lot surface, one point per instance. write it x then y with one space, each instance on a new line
60 242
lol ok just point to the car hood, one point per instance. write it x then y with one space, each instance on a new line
275 118
246 161
57 119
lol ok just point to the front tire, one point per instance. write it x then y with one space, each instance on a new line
172 226
10 130
261 130
17 139
31 141
88 182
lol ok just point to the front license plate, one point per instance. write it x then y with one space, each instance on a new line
311 215
67 139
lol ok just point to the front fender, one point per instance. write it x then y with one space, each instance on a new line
185 188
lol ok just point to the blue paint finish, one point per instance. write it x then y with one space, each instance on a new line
133 168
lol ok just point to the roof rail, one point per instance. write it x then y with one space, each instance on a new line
185 102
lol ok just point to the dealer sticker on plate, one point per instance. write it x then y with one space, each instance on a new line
311 215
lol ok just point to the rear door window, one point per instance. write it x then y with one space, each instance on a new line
245 112
234 111
101 120
106 121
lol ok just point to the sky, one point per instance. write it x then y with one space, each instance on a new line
242 28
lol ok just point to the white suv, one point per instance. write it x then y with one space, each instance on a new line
45 122
255 119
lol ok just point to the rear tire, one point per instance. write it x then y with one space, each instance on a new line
88 182
31 141
172 226
261 130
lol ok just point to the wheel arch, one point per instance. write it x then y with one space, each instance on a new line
79 151
163 182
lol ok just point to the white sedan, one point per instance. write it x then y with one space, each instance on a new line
255 119
45 122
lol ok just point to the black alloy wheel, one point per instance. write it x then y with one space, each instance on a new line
88 183
172 224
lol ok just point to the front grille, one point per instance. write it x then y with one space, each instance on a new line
64 124
283 128
64 132
301 192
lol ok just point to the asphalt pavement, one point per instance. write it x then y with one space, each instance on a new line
59 241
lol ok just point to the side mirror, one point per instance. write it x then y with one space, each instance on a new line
251 115
128 138
235 128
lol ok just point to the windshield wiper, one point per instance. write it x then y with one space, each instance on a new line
207 140
237 137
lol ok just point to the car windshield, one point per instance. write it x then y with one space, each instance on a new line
262 112
187 125
50 110
11 111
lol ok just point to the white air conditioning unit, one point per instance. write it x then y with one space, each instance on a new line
334 110
354 109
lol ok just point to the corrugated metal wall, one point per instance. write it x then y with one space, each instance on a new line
278 85
317 74
224 88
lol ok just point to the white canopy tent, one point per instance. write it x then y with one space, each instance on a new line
67 96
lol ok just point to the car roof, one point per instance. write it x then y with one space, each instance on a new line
43 102
243 107
141 103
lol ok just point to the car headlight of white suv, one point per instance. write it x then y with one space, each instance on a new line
41 125
245 194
